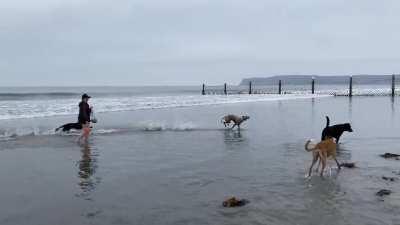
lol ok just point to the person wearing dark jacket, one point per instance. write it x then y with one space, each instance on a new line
84 110
83 118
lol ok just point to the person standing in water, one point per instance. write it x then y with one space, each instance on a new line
84 110
84 117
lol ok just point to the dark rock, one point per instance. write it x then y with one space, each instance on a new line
389 178
348 165
390 155
233 202
383 192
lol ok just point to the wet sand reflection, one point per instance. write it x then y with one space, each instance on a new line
88 165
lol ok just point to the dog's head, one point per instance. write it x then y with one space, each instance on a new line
244 118
347 127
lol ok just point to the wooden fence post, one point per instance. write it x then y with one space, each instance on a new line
313 86
203 92
393 85
225 91
280 87
351 86
250 88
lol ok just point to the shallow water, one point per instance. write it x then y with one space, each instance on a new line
177 165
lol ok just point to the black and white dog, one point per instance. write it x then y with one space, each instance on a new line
335 131
76 126
69 126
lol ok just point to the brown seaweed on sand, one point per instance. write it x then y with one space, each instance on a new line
390 155
389 178
383 192
348 165
234 202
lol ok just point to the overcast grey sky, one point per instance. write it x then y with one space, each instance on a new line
177 42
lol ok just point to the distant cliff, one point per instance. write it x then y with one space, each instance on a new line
306 79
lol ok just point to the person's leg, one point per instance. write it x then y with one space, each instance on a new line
85 132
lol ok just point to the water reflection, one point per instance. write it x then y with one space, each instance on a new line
392 106
350 109
88 165
343 153
323 199
233 136
313 116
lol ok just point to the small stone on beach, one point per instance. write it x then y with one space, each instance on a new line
383 192
348 165
389 178
390 155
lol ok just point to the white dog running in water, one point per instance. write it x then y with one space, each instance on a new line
237 120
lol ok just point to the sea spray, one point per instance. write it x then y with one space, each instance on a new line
163 126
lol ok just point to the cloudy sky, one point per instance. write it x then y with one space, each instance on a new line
177 42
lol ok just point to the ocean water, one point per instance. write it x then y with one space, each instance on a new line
172 162
38 111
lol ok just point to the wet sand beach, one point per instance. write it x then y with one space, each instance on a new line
177 165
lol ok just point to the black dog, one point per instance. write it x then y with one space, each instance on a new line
69 126
335 131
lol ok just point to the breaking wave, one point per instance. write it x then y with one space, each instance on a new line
60 107
162 126
147 126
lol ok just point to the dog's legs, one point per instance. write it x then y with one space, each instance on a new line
338 164
323 157
66 129
337 140
319 163
312 165
233 126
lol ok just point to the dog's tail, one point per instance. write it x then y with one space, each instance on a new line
307 146
328 121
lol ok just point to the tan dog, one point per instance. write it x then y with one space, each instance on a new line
323 151
237 120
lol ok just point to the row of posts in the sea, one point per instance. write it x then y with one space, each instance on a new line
250 88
